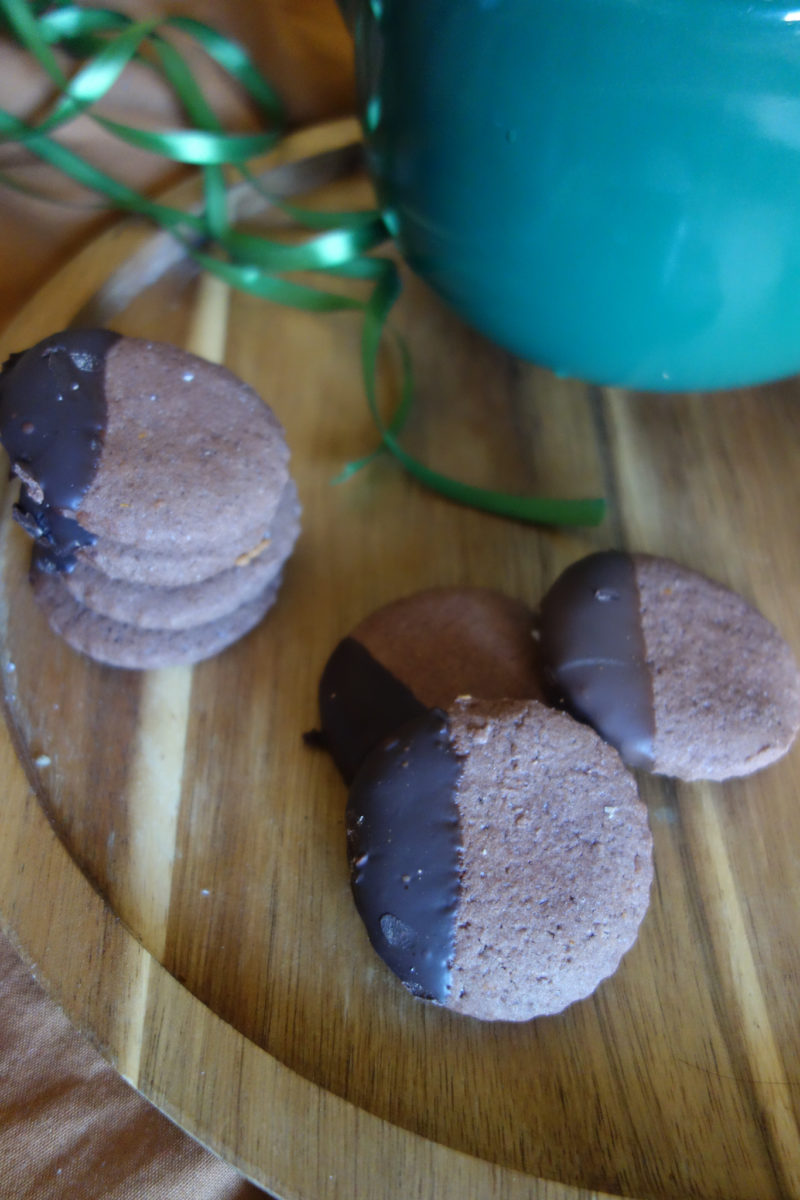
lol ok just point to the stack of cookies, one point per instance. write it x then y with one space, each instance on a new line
156 487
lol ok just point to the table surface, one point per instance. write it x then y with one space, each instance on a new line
174 859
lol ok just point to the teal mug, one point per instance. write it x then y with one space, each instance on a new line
610 188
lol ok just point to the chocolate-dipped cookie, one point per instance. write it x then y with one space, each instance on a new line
681 674
421 651
501 859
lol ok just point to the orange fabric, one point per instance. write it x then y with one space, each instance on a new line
69 1127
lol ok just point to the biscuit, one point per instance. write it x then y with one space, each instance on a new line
501 859
420 651
144 443
179 607
191 457
121 645
53 415
133 564
681 674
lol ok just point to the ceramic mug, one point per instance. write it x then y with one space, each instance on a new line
610 188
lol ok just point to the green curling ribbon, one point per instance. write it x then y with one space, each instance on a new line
103 42
536 509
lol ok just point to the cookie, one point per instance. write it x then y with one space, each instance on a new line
139 442
501 859
121 645
134 564
420 651
681 674
191 456
180 607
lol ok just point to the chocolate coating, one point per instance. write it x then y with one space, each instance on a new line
593 653
52 424
360 704
418 652
403 845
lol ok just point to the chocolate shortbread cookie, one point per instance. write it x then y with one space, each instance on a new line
139 442
501 859
121 645
682 675
423 650
180 607
134 564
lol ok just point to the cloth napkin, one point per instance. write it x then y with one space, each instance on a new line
72 1129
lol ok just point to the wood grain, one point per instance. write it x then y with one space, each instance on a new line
175 862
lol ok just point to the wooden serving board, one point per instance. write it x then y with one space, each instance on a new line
172 858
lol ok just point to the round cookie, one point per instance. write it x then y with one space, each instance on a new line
180 607
134 564
121 645
501 859
681 674
420 651
138 442
163 568
191 455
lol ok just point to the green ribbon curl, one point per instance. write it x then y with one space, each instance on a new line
339 244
